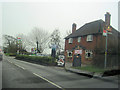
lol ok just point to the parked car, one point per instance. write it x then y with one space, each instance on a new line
61 60
1 55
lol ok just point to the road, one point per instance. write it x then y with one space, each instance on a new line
20 74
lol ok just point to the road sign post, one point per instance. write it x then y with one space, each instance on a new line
107 31
105 63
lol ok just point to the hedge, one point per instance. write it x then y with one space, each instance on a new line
10 54
37 59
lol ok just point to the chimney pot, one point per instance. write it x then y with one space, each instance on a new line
107 19
74 27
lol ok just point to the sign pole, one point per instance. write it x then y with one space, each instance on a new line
106 50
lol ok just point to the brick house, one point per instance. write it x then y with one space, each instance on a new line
89 38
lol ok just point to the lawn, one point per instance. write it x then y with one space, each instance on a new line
91 69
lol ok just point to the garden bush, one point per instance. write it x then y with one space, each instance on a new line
37 59
10 54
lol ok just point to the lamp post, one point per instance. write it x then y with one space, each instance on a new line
37 43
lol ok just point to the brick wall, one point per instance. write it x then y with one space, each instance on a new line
98 41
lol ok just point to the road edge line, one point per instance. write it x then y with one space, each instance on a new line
47 80
19 66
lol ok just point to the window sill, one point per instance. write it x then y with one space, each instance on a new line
89 41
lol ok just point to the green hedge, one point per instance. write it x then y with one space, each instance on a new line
10 54
37 59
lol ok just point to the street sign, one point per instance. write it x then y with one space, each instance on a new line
109 29
104 33
109 33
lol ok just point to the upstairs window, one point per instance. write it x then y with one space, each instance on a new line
89 38
70 40
79 39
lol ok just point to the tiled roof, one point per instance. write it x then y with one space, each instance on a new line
90 28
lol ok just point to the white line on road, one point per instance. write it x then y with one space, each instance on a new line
9 61
19 66
30 63
47 80
16 65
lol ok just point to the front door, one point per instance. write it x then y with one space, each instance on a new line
77 60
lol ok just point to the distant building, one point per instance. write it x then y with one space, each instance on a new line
89 40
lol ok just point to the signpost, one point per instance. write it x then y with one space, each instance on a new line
19 44
105 33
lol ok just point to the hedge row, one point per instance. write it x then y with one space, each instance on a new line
10 54
37 59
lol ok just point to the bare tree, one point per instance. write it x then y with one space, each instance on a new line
10 43
68 32
38 35
55 39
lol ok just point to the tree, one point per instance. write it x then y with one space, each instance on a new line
9 44
55 39
38 35
68 32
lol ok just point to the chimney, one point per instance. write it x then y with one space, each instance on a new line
107 19
74 27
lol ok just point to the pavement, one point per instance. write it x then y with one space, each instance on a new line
114 78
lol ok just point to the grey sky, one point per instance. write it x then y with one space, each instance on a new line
22 17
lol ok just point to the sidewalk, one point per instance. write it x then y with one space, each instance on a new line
115 79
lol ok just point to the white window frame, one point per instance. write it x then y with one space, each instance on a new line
87 52
68 53
70 40
79 39
89 38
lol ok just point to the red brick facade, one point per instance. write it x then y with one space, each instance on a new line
98 40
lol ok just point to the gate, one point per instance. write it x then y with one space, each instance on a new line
76 60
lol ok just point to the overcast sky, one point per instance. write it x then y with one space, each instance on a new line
22 17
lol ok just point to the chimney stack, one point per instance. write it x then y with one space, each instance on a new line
107 19
74 27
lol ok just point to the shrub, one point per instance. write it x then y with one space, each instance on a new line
10 54
37 59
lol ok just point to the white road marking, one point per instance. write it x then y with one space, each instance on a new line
16 65
31 63
47 80
20 66
9 61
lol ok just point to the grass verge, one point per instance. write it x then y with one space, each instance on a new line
91 69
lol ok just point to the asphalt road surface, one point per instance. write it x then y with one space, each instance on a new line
20 74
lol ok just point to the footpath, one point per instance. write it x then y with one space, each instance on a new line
115 78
